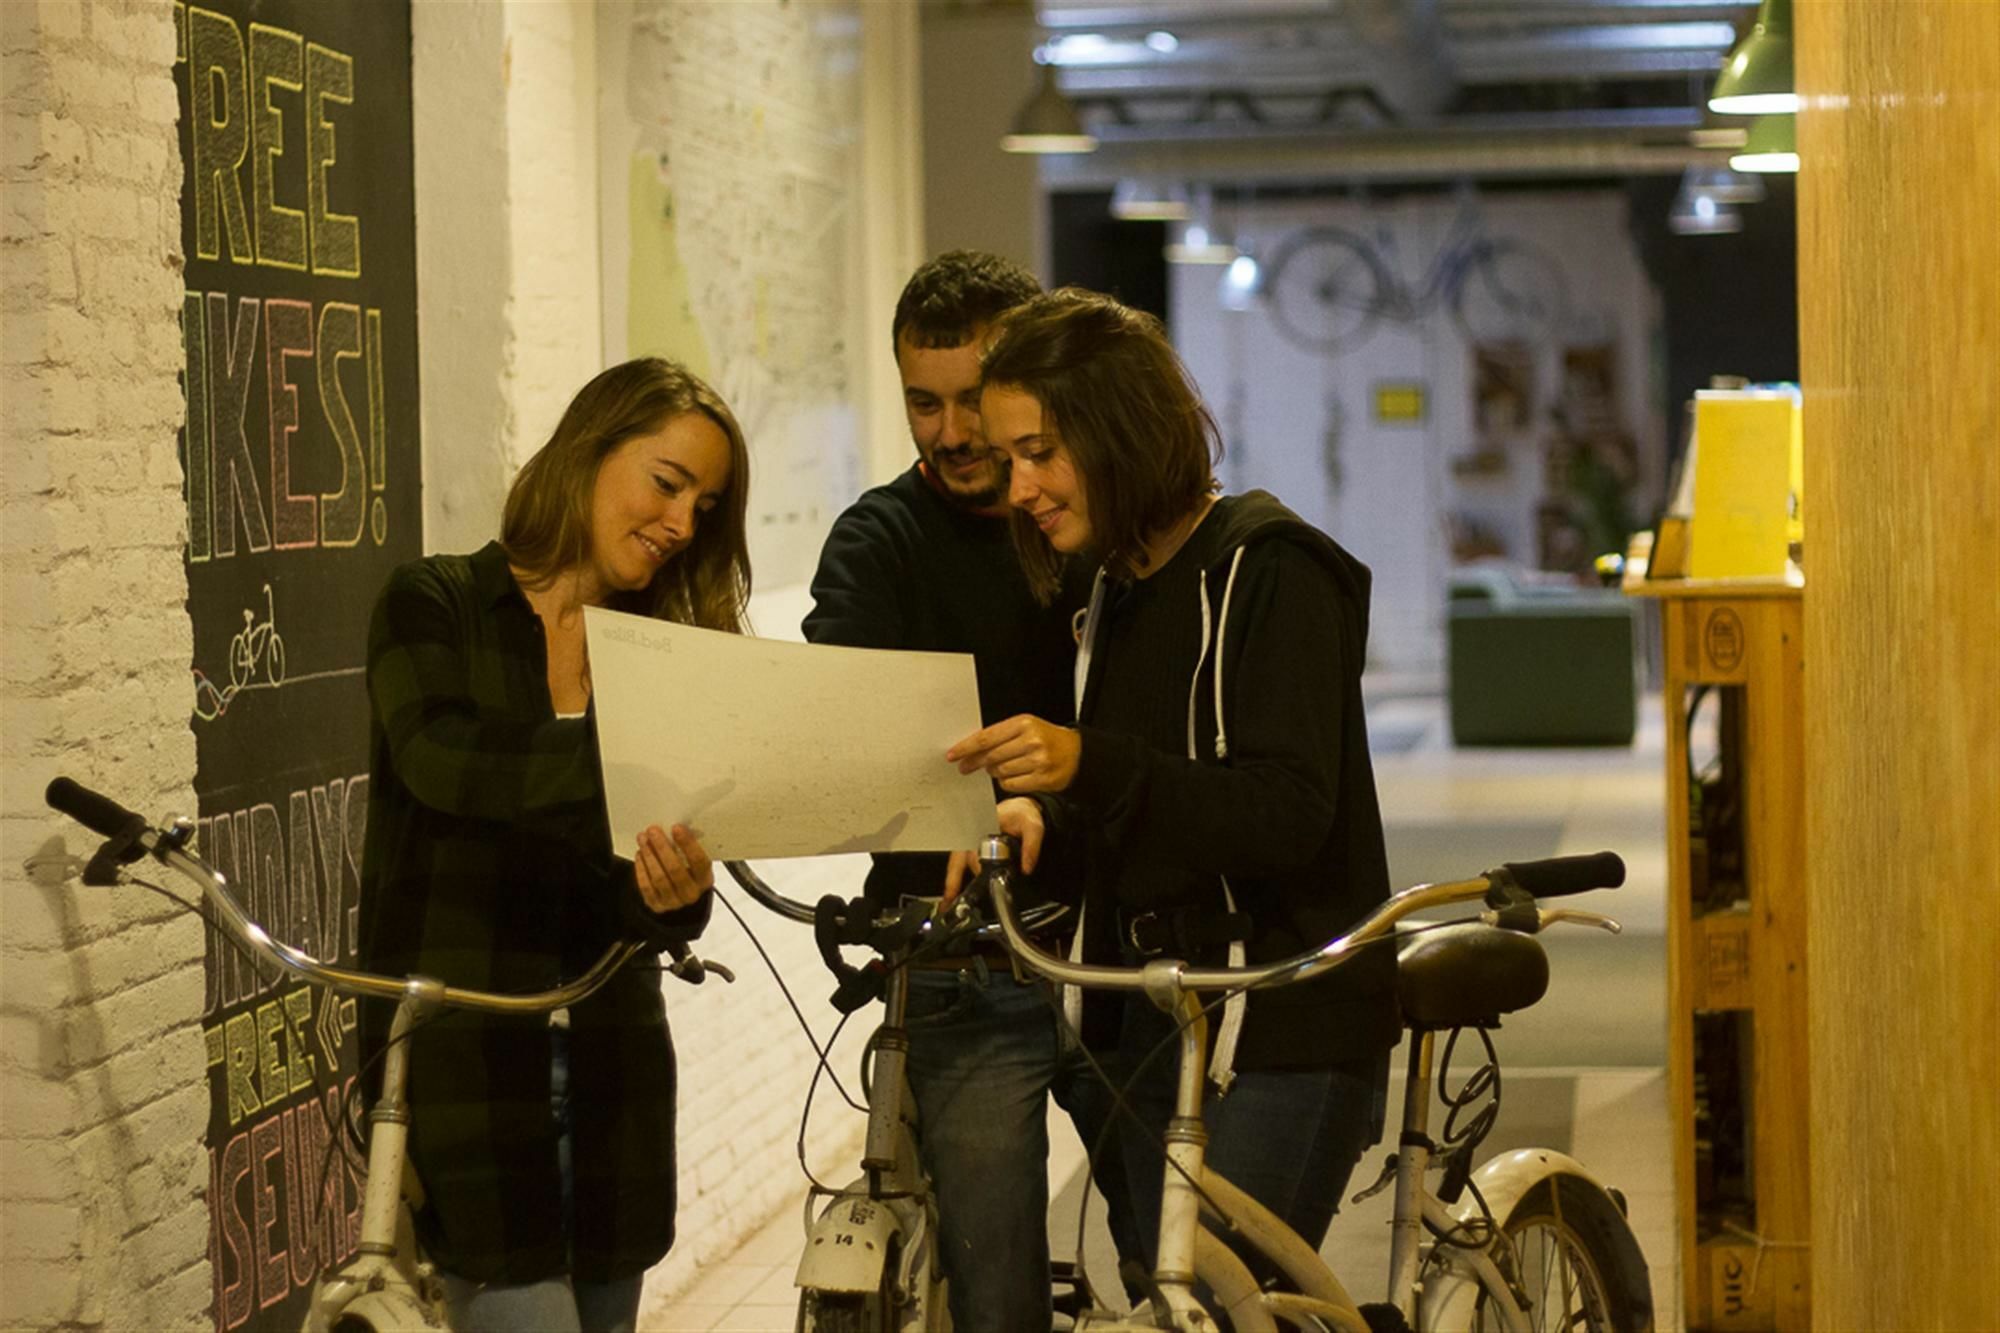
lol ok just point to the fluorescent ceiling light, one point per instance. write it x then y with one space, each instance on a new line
1137 200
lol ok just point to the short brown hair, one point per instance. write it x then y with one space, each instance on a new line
953 296
1116 395
545 528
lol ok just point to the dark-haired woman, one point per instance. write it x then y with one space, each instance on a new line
1220 761
546 1149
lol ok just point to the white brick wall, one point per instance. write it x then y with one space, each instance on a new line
102 1091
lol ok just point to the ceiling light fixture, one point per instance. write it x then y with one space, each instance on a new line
1718 136
1199 240
1756 80
1696 212
1047 122
1163 42
1242 282
1726 186
1772 147
1136 200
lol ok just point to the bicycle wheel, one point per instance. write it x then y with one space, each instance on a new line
274 660
830 1312
242 663
1578 1264
1508 290
1327 289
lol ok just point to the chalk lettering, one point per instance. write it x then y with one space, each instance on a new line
341 512
267 1140
235 1300
237 494
378 430
303 898
219 126
336 237
277 60
313 1203
287 336
194 435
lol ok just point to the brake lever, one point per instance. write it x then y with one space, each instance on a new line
1544 917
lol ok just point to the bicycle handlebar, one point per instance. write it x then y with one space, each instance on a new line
100 814
1559 876
1566 874
754 885
94 810
792 909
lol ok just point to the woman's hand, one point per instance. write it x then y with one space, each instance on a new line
1019 818
672 871
1024 753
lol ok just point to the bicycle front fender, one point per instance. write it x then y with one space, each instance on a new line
1452 1285
849 1244
1506 1180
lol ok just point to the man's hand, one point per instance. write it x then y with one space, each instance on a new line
1023 753
1019 818
672 872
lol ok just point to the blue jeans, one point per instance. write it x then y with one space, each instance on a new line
1289 1138
985 1053
554 1304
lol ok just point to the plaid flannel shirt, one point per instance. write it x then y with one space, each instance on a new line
489 865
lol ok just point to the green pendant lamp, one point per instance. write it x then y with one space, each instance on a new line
1772 147
1756 80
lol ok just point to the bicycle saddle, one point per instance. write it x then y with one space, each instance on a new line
1467 975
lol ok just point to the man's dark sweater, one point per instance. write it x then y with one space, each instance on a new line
905 567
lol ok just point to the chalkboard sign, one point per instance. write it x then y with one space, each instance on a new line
301 458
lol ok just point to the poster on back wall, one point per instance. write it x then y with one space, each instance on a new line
302 472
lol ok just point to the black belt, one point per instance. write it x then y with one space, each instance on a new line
1184 932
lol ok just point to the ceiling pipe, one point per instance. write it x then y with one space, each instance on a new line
1380 157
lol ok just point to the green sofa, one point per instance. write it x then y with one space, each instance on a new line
1532 664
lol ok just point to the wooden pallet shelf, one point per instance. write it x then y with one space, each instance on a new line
1737 1060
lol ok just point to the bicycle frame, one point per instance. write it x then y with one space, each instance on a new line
388 1284
1189 1256
879 1232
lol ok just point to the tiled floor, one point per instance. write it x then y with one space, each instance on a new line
1583 1070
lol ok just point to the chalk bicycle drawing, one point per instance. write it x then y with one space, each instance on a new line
389 1286
1330 287
1531 1240
870 1259
254 647
258 645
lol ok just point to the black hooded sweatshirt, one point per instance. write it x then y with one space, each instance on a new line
1284 807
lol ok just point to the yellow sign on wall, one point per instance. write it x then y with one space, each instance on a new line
1746 441
1399 402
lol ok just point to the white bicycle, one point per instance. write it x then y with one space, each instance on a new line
1531 1240
870 1259
389 1286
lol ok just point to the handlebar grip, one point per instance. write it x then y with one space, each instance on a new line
1558 876
94 810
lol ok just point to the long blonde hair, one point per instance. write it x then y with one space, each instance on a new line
545 527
